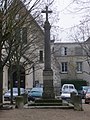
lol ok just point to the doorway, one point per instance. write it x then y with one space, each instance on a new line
14 77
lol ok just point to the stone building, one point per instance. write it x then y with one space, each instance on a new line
69 61
73 60
30 36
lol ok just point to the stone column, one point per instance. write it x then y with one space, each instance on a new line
48 89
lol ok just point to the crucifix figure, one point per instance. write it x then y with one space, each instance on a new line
48 90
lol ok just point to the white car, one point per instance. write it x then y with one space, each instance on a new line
68 87
66 94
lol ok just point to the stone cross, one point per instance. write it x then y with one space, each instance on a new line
48 89
47 41
47 11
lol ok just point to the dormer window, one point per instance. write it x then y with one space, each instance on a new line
64 50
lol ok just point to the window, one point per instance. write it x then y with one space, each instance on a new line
41 56
17 34
24 34
21 34
64 66
79 66
64 50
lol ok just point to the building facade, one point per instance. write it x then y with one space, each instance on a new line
72 60
29 46
69 61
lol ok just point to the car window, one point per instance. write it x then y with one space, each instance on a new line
37 90
85 88
65 87
71 87
88 91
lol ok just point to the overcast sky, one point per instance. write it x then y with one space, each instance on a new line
66 20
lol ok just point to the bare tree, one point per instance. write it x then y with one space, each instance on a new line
13 43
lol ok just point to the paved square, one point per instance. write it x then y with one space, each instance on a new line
46 114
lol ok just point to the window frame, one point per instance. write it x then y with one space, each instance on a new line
64 51
64 67
41 56
79 67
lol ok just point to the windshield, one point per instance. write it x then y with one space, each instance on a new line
85 88
71 87
88 91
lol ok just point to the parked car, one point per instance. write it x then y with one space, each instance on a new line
66 94
35 93
7 95
87 96
82 91
68 87
28 89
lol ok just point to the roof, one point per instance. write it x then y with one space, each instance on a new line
22 6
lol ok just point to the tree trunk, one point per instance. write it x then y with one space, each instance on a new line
1 67
18 78
11 83
1 83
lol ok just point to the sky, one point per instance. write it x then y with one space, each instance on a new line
63 18
66 19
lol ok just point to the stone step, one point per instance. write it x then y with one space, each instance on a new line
46 104
49 107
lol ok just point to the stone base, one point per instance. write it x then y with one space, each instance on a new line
19 102
48 89
76 101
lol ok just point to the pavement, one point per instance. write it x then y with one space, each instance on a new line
46 114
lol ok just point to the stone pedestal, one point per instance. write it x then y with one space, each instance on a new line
48 89
76 101
19 102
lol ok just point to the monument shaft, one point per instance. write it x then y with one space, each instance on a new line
47 57
48 89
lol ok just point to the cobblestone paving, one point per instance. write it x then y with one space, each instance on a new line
46 114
